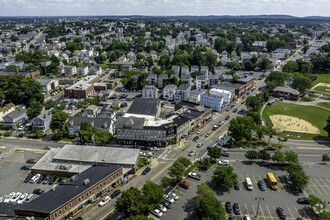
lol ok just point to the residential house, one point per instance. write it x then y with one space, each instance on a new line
150 91
182 93
194 69
6 109
205 71
96 70
48 85
184 70
70 70
213 101
195 95
187 79
15 118
286 92
176 70
43 120
213 80
201 82
226 94
169 92
152 79
91 111
82 70
162 80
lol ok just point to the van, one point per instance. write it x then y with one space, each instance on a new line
248 183
29 198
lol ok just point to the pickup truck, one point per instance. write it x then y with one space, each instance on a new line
194 175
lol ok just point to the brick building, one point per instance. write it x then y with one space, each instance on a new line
82 88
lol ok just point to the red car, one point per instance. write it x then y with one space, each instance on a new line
184 185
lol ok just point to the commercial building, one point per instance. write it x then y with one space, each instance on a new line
286 92
82 88
73 159
76 196
213 101
144 108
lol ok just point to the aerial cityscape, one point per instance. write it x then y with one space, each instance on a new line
174 110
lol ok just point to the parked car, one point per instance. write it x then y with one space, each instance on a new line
236 187
246 217
41 179
47 148
261 185
199 145
194 175
168 198
146 170
27 179
60 180
199 131
264 164
115 194
31 160
280 212
35 178
195 138
38 191
304 200
235 110
162 208
287 179
104 201
236 209
167 205
223 162
173 195
207 134
157 213
29 197
22 198
229 209
46 180
26 167
184 185
271 148
224 154
231 218
294 189
52 180
15 197
227 118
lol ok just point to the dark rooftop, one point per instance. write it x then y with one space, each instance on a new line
143 106
64 193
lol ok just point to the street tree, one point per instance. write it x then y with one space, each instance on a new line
313 200
138 217
241 127
177 170
264 64
252 155
153 194
205 190
325 158
248 65
301 82
214 152
282 138
166 181
253 103
185 161
264 155
278 156
290 67
34 109
131 203
327 128
291 157
224 177
57 124
299 180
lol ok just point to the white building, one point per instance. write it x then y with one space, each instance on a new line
169 92
82 70
70 70
227 95
150 91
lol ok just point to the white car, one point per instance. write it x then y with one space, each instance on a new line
35 178
8 197
104 201
1 199
192 153
162 208
22 198
199 144
20 128
173 195
157 213
223 162
169 198
199 131
15 198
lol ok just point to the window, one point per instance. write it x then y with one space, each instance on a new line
94 189
65 208
110 177
70 205
59 212
117 174
55 214
79 199
104 183
82 197
97 187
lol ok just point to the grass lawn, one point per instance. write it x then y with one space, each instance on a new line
321 78
321 89
312 114
324 104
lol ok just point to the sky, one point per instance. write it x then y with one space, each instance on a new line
163 7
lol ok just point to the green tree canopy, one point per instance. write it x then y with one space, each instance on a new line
291 157
131 203
301 82
153 194
252 155
241 127
224 176
214 152
278 156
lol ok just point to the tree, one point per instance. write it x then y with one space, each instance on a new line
224 176
253 103
264 64
100 58
178 168
13 38
165 61
102 137
299 180
301 82
327 128
278 156
138 217
34 109
214 152
233 65
50 104
282 138
241 127
131 203
153 194
149 61
166 181
252 155
196 73
185 161
248 65
291 157
264 155
313 200
294 167
206 204
57 124
273 44
325 158
277 77
220 44
290 67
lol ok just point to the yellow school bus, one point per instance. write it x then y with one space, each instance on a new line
272 181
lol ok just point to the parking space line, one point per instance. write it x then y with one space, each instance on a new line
270 214
179 191
190 182
247 209
290 212
297 212
307 216
242 178
311 189
254 210
327 180
200 173
309 166
315 187
262 213
324 183
321 187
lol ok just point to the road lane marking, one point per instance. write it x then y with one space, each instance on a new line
321 186
190 181
311 189
160 172
107 214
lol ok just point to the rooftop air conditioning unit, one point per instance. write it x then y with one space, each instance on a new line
86 182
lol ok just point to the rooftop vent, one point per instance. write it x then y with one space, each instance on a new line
73 178
86 181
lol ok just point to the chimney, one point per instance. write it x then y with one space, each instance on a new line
44 115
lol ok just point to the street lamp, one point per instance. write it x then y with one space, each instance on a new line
258 198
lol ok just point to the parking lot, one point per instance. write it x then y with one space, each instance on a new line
12 176
319 186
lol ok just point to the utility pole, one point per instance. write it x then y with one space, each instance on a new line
258 198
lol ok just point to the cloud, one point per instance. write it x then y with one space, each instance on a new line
163 7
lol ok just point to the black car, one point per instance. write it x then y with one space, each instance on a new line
229 209
235 110
231 218
167 205
115 194
261 185
236 209
228 117
38 191
46 180
294 189
146 170
195 138
41 179
60 180
227 145
26 167
236 187
303 200
52 181
280 212
264 164
287 179
27 179
224 154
